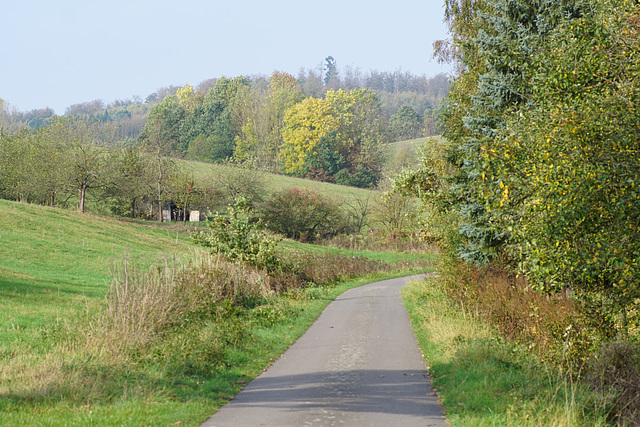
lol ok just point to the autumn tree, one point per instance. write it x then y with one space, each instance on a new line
360 135
283 93
304 125
85 151
212 118
563 174
158 140
128 180
543 157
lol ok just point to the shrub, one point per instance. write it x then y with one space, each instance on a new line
139 306
615 371
239 238
361 177
303 215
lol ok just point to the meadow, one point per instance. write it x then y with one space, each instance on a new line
71 353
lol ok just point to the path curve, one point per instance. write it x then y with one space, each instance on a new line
358 365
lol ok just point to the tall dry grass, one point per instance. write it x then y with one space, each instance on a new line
143 306
381 241
554 327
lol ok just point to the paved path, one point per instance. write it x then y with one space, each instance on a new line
358 365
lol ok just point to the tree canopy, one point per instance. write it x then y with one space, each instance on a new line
543 126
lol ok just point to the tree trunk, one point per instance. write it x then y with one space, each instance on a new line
160 190
186 204
83 192
133 208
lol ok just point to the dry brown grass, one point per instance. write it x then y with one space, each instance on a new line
555 328
381 241
141 306
520 313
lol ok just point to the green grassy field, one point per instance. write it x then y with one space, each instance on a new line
204 171
53 261
55 271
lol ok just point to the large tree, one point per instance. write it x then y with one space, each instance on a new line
563 174
406 123
85 143
128 181
158 140
542 123
305 124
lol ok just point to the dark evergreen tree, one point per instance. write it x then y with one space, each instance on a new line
501 53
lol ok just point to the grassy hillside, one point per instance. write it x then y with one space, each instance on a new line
54 261
274 182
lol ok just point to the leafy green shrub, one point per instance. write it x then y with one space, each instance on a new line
360 177
239 238
303 215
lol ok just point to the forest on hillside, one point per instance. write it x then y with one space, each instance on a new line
123 156
397 90
324 124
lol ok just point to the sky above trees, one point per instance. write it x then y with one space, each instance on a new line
65 52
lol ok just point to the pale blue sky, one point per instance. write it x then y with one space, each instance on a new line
58 53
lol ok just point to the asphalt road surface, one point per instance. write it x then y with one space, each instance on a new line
358 365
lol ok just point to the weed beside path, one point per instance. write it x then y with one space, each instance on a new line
483 380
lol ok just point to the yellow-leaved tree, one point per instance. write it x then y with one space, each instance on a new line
304 125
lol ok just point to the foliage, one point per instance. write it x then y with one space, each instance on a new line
54 161
360 134
338 138
240 181
564 178
331 73
614 370
302 215
393 212
129 181
482 379
239 238
544 148
304 125
406 123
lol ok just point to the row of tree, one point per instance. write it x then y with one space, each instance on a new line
543 165
337 138
78 162
71 160
394 89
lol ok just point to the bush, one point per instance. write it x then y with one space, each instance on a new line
361 177
615 371
303 215
239 238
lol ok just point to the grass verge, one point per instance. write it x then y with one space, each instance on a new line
483 380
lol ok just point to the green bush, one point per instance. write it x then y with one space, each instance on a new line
303 215
614 370
239 238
